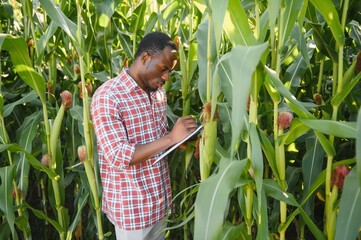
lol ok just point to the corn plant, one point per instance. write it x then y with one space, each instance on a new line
275 83
283 20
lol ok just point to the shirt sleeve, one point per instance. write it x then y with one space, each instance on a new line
110 132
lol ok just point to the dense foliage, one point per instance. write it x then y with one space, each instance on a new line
275 83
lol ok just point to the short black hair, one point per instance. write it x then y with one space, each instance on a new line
154 42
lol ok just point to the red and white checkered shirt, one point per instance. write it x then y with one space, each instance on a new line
138 196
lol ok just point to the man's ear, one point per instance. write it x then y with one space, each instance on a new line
144 57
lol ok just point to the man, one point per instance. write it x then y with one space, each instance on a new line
130 123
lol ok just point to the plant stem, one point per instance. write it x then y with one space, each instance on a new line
88 163
43 195
281 165
209 58
16 190
320 75
331 224
279 45
257 31
59 207
330 214
52 146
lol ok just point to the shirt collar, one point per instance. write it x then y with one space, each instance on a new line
129 82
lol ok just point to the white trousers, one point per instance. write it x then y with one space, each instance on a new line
154 232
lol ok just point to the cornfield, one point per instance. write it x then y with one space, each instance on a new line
276 85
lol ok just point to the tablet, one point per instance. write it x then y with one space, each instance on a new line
179 143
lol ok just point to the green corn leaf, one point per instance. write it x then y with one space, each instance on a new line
276 97
170 11
264 26
349 74
340 97
183 68
202 53
302 14
83 199
355 33
327 146
185 221
322 44
137 18
28 131
274 9
125 43
231 231
42 215
296 130
218 10
321 179
242 62
312 163
212 199
6 195
295 71
329 13
60 19
358 146
349 221
269 151
317 233
149 26
296 106
105 35
292 8
32 160
76 113
234 25
35 163
274 190
192 61
262 221
306 52
105 11
188 155
312 226
44 39
19 55
5 232
8 108
330 127
257 164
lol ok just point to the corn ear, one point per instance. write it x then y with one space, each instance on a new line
55 131
207 148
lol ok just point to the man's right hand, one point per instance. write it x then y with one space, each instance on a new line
182 128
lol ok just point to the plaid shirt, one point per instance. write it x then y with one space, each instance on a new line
138 196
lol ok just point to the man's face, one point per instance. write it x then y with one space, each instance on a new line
156 69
